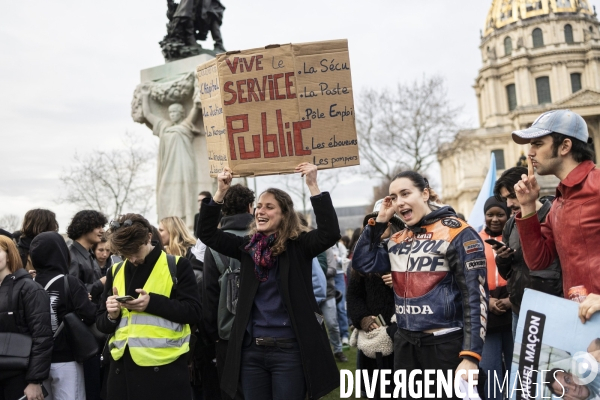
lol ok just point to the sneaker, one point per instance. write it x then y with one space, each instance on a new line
345 342
340 357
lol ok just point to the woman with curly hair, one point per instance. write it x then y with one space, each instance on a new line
278 347
175 236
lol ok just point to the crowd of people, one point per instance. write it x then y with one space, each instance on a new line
256 304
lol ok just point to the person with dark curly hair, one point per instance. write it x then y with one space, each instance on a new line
86 230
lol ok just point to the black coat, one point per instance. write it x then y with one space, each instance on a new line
211 289
50 258
515 271
368 295
295 287
84 266
31 308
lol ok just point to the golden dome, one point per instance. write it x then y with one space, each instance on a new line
505 12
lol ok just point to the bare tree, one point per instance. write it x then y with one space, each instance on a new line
10 222
295 186
403 129
112 181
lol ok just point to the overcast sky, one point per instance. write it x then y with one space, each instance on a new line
69 69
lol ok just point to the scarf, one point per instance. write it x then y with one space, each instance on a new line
260 251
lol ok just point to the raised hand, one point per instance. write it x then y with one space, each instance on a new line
309 172
224 183
386 210
527 190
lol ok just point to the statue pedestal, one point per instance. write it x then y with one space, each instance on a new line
175 82
174 69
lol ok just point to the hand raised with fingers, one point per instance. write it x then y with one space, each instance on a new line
224 179
309 172
386 210
527 189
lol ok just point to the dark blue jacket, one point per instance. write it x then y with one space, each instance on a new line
439 272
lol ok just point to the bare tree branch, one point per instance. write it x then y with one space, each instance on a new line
10 222
405 129
111 181
295 186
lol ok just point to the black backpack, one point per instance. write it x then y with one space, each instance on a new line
229 282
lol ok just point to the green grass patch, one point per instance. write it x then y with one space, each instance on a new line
351 365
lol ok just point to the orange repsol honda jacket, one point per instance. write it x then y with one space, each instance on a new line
439 272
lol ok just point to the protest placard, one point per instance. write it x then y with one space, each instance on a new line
268 109
555 355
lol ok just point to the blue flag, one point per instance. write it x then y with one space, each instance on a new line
477 217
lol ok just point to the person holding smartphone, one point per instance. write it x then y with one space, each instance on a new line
148 308
499 340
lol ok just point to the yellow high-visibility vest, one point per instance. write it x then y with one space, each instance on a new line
152 340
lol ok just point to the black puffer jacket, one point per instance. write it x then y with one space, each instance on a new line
31 308
50 258
518 276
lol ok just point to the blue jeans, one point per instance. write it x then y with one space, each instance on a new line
329 311
342 316
496 346
515 320
272 373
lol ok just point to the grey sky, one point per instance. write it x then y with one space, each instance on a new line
68 71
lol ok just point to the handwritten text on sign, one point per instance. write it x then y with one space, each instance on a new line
278 107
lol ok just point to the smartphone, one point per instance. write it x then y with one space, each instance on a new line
494 242
44 393
123 299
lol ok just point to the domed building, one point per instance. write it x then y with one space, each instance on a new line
537 55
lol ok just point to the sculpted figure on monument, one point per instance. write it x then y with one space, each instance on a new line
189 21
176 184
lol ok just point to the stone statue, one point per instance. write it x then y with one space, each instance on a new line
176 184
189 21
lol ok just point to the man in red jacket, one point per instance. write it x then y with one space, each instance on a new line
560 146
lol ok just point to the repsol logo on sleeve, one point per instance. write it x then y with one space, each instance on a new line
413 309
472 246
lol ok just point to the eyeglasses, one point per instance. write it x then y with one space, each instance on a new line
114 225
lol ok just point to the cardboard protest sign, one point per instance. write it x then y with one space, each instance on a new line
552 344
268 109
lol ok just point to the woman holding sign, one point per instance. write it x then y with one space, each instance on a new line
439 272
278 348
